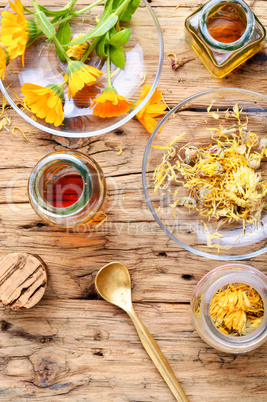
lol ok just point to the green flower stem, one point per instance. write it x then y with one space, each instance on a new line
90 49
58 22
83 10
36 6
55 39
61 85
76 13
108 68
28 11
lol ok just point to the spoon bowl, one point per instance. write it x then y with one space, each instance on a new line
113 283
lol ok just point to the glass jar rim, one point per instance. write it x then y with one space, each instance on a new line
206 10
67 158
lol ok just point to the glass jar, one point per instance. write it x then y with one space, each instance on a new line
224 34
67 189
200 307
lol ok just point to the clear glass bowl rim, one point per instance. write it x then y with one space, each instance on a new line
109 128
144 181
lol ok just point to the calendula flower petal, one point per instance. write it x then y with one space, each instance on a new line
77 51
148 122
110 104
81 74
236 308
45 102
16 30
155 107
4 61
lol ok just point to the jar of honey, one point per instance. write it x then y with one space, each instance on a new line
224 34
67 189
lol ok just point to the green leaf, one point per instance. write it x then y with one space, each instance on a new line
52 13
57 13
117 56
45 25
63 35
108 9
130 10
101 49
99 30
120 38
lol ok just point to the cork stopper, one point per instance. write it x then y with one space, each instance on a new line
23 280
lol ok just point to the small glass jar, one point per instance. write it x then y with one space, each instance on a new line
67 189
224 34
200 307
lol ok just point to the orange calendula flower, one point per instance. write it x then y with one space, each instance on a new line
45 102
155 107
81 74
4 61
16 30
77 51
110 104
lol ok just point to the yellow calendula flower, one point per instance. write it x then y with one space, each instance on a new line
77 51
110 104
16 30
4 61
237 309
155 107
45 102
80 74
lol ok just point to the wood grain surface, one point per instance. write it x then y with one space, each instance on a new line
73 346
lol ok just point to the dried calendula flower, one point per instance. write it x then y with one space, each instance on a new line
190 154
254 161
236 309
177 63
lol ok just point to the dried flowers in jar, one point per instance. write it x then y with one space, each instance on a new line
228 308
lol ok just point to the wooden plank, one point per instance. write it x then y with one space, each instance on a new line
79 347
89 350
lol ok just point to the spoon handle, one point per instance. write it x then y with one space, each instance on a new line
157 357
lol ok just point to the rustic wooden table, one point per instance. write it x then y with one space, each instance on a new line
73 345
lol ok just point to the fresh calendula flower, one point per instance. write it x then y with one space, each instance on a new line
80 74
45 102
16 30
4 61
155 107
110 104
77 51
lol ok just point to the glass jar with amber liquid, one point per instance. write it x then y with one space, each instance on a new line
67 189
224 34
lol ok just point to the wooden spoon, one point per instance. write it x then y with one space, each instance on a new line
113 283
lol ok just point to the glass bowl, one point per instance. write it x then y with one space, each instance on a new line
144 59
187 228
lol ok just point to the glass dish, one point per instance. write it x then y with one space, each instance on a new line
187 228
144 59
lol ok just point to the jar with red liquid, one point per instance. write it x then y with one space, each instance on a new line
67 189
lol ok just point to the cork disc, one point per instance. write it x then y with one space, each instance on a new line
23 280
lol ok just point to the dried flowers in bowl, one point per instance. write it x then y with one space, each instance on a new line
228 308
205 174
78 71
